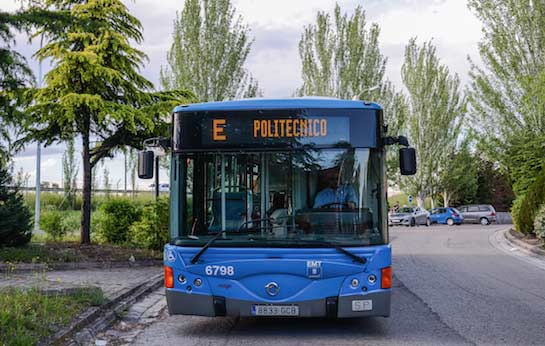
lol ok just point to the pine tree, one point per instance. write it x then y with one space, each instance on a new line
94 89
15 218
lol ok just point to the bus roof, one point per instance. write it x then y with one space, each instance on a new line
288 103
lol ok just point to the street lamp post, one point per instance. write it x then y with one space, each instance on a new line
38 158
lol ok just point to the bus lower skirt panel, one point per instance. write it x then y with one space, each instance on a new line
181 303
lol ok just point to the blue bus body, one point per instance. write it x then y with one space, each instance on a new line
270 248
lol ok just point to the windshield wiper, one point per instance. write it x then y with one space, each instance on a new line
337 247
214 238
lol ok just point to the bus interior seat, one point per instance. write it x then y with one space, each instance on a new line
235 211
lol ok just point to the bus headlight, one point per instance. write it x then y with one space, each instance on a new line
181 279
197 282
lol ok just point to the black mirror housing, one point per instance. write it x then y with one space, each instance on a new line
407 161
145 164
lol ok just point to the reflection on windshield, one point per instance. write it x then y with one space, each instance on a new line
405 210
277 198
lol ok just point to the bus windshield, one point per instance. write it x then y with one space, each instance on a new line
283 199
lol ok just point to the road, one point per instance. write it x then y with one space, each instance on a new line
453 286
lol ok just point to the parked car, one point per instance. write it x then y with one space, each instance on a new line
409 216
449 216
485 214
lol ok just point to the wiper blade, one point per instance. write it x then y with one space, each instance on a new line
337 247
214 238
206 246
240 229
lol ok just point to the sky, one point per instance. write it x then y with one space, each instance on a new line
276 27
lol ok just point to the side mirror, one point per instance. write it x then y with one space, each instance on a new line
407 161
145 164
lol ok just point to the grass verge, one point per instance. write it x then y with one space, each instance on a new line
26 317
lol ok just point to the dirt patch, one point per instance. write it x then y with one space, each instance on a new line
74 252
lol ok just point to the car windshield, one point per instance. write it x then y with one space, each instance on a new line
283 198
405 210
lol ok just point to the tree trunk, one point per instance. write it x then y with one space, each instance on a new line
446 199
86 205
420 198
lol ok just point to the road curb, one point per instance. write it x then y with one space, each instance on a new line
516 242
30 267
95 319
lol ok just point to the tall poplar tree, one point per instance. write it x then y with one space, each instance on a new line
94 89
507 92
210 47
436 111
340 57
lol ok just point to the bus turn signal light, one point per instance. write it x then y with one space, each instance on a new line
169 277
386 277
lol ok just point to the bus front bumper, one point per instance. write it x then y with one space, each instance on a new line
180 303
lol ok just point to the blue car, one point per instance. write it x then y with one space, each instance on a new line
448 216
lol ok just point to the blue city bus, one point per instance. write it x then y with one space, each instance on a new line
278 208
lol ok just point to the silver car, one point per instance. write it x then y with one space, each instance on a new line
485 214
409 216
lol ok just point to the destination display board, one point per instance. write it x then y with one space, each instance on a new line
275 129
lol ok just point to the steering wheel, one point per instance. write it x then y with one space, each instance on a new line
328 205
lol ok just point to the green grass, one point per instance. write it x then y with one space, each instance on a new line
27 317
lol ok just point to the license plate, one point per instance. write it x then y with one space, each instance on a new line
275 310
362 305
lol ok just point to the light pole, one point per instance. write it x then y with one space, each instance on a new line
358 96
38 157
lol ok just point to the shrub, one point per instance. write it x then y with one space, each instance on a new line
530 204
15 217
515 211
151 231
52 223
539 223
117 215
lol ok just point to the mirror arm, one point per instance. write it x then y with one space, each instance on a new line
401 140
162 142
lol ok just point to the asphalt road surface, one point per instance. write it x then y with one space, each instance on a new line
456 285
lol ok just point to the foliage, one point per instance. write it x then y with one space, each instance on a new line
15 76
436 110
493 186
507 90
341 58
30 316
539 223
458 177
117 215
211 45
152 231
94 88
51 222
516 211
530 204
524 158
15 217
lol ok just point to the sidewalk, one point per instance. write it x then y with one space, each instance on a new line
112 281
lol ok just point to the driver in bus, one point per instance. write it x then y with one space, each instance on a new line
335 194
